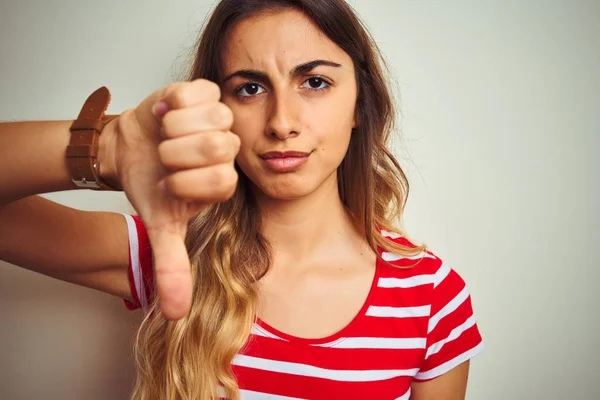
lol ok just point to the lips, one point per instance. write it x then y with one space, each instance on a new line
283 154
284 161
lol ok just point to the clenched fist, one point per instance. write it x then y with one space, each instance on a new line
173 155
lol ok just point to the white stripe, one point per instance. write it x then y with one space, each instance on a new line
250 395
379 343
440 275
330 344
456 332
316 372
447 366
405 396
134 253
259 331
389 234
417 280
399 312
448 308
387 256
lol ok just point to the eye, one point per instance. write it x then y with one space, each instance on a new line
316 83
249 90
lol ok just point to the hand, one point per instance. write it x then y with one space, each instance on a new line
173 155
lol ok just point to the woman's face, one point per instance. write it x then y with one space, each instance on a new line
293 95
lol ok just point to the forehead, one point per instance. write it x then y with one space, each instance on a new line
279 39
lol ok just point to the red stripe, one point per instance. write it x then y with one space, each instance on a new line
450 321
403 297
447 290
334 358
301 352
369 326
145 254
444 293
318 388
468 340
136 301
146 270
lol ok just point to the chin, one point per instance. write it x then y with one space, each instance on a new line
285 188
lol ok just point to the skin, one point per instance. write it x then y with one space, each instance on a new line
175 153
322 269
318 256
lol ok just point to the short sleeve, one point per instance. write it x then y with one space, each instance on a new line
141 273
452 335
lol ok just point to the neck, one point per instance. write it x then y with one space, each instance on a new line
299 229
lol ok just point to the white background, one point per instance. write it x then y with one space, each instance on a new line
500 119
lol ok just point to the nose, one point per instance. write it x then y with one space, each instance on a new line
283 120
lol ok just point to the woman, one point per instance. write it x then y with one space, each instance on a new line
266 199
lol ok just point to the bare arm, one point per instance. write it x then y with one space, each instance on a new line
450 386
86 248
32 158
168 138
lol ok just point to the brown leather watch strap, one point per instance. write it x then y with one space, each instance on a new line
82 151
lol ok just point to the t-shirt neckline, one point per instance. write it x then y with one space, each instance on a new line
342 333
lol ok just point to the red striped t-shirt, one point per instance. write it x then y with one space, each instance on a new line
416 324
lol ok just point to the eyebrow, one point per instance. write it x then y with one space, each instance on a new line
297 70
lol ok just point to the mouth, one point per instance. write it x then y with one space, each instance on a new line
284 161
283 154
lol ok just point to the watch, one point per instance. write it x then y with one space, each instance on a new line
82 151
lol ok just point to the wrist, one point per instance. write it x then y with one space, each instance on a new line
107 165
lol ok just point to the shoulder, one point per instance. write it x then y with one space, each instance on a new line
424 266
452 335
425 273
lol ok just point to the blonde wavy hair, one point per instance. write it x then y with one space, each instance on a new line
190 359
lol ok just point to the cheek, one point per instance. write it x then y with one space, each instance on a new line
333 148
245 157
250 134
334 121
332 113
